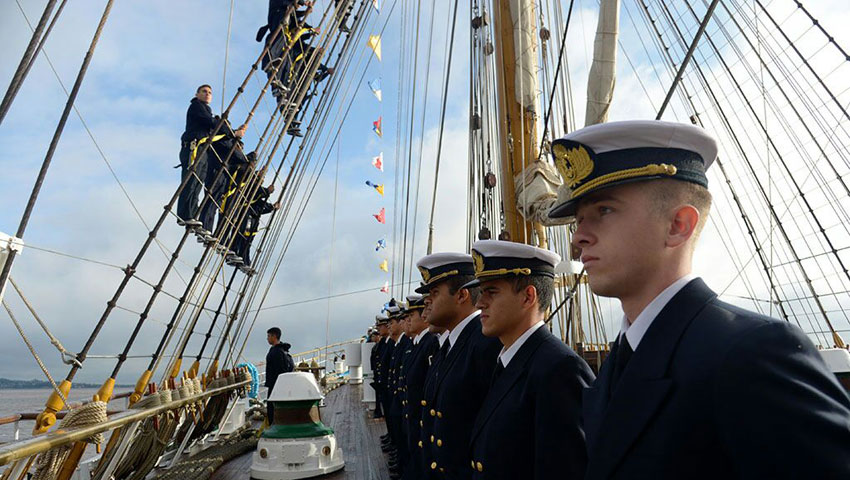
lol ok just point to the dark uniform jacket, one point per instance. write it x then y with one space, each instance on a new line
426 421
386 356
375 358
199 121
460 385
714 391
414 383
259 206
373 355
415 370
396 374
277 361
530 423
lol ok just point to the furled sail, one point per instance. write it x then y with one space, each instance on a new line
539 182
600 83
523 19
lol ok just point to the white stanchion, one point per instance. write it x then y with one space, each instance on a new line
368 375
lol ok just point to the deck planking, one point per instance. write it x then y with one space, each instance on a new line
357 433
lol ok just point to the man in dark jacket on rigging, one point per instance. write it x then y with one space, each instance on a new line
277 361
199 123
258 206
226 165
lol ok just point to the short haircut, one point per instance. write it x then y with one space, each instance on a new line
667 193
274 331
545 287
202 86
456 283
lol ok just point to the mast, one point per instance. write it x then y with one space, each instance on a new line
516 83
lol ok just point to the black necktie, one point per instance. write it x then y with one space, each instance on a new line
444 350
497 371
624 354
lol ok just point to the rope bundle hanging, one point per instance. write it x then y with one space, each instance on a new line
48 464
147 446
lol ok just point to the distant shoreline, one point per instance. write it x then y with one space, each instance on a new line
9 384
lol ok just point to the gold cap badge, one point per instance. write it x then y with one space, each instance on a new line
477 262
574 164
426 275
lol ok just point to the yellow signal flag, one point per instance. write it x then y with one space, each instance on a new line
374 43
380 189
384 266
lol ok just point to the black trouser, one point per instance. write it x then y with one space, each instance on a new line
242 247
386 398
378 399
187 202
216 186
270 411
394 426
343 9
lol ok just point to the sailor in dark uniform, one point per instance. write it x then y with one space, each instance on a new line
399 454
694 387
199 123
426 423
425 345
533 408
380 349
467 360
374 357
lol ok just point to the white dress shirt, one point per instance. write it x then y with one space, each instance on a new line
419 336
506 355
455 333
442 337
635 332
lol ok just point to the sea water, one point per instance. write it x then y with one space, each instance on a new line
31 400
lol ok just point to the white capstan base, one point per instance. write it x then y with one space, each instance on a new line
294 458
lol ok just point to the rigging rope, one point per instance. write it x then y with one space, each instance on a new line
430 248
7 267
796 185
335 137
557 77
226 51
67 357
34 353
35 44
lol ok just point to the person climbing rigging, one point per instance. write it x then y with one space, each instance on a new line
279 13
199 123
343 10
258 206
215 184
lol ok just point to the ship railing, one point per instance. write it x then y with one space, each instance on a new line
20 452
17 418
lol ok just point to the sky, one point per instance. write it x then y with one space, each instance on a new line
151 57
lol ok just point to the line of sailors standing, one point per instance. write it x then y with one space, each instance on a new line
473 384
434 367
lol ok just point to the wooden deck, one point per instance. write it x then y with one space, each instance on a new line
356 432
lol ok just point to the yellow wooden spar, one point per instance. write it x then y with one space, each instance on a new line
516 82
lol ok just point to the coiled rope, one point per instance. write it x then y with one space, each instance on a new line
202 465
49 463
255 379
